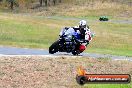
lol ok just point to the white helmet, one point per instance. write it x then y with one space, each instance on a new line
82 24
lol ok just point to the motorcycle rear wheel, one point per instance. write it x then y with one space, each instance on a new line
76 52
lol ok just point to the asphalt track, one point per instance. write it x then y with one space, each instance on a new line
25 51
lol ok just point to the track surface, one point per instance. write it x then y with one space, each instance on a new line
21 51
25 51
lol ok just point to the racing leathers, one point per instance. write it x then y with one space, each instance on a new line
82 35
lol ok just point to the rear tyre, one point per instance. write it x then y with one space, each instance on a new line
76 52
54 47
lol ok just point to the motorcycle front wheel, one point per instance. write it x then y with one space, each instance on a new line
54 47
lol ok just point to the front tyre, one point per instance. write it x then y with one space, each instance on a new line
54 47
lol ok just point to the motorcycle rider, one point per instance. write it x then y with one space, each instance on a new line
84 33
81 32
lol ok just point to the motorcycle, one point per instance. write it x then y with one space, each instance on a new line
66 43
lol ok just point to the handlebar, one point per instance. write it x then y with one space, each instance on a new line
76 40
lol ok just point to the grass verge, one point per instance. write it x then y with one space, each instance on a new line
40 32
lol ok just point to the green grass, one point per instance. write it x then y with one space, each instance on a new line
108 86
113 38
109 51
16 32
40 32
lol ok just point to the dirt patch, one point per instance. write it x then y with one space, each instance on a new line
53 72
